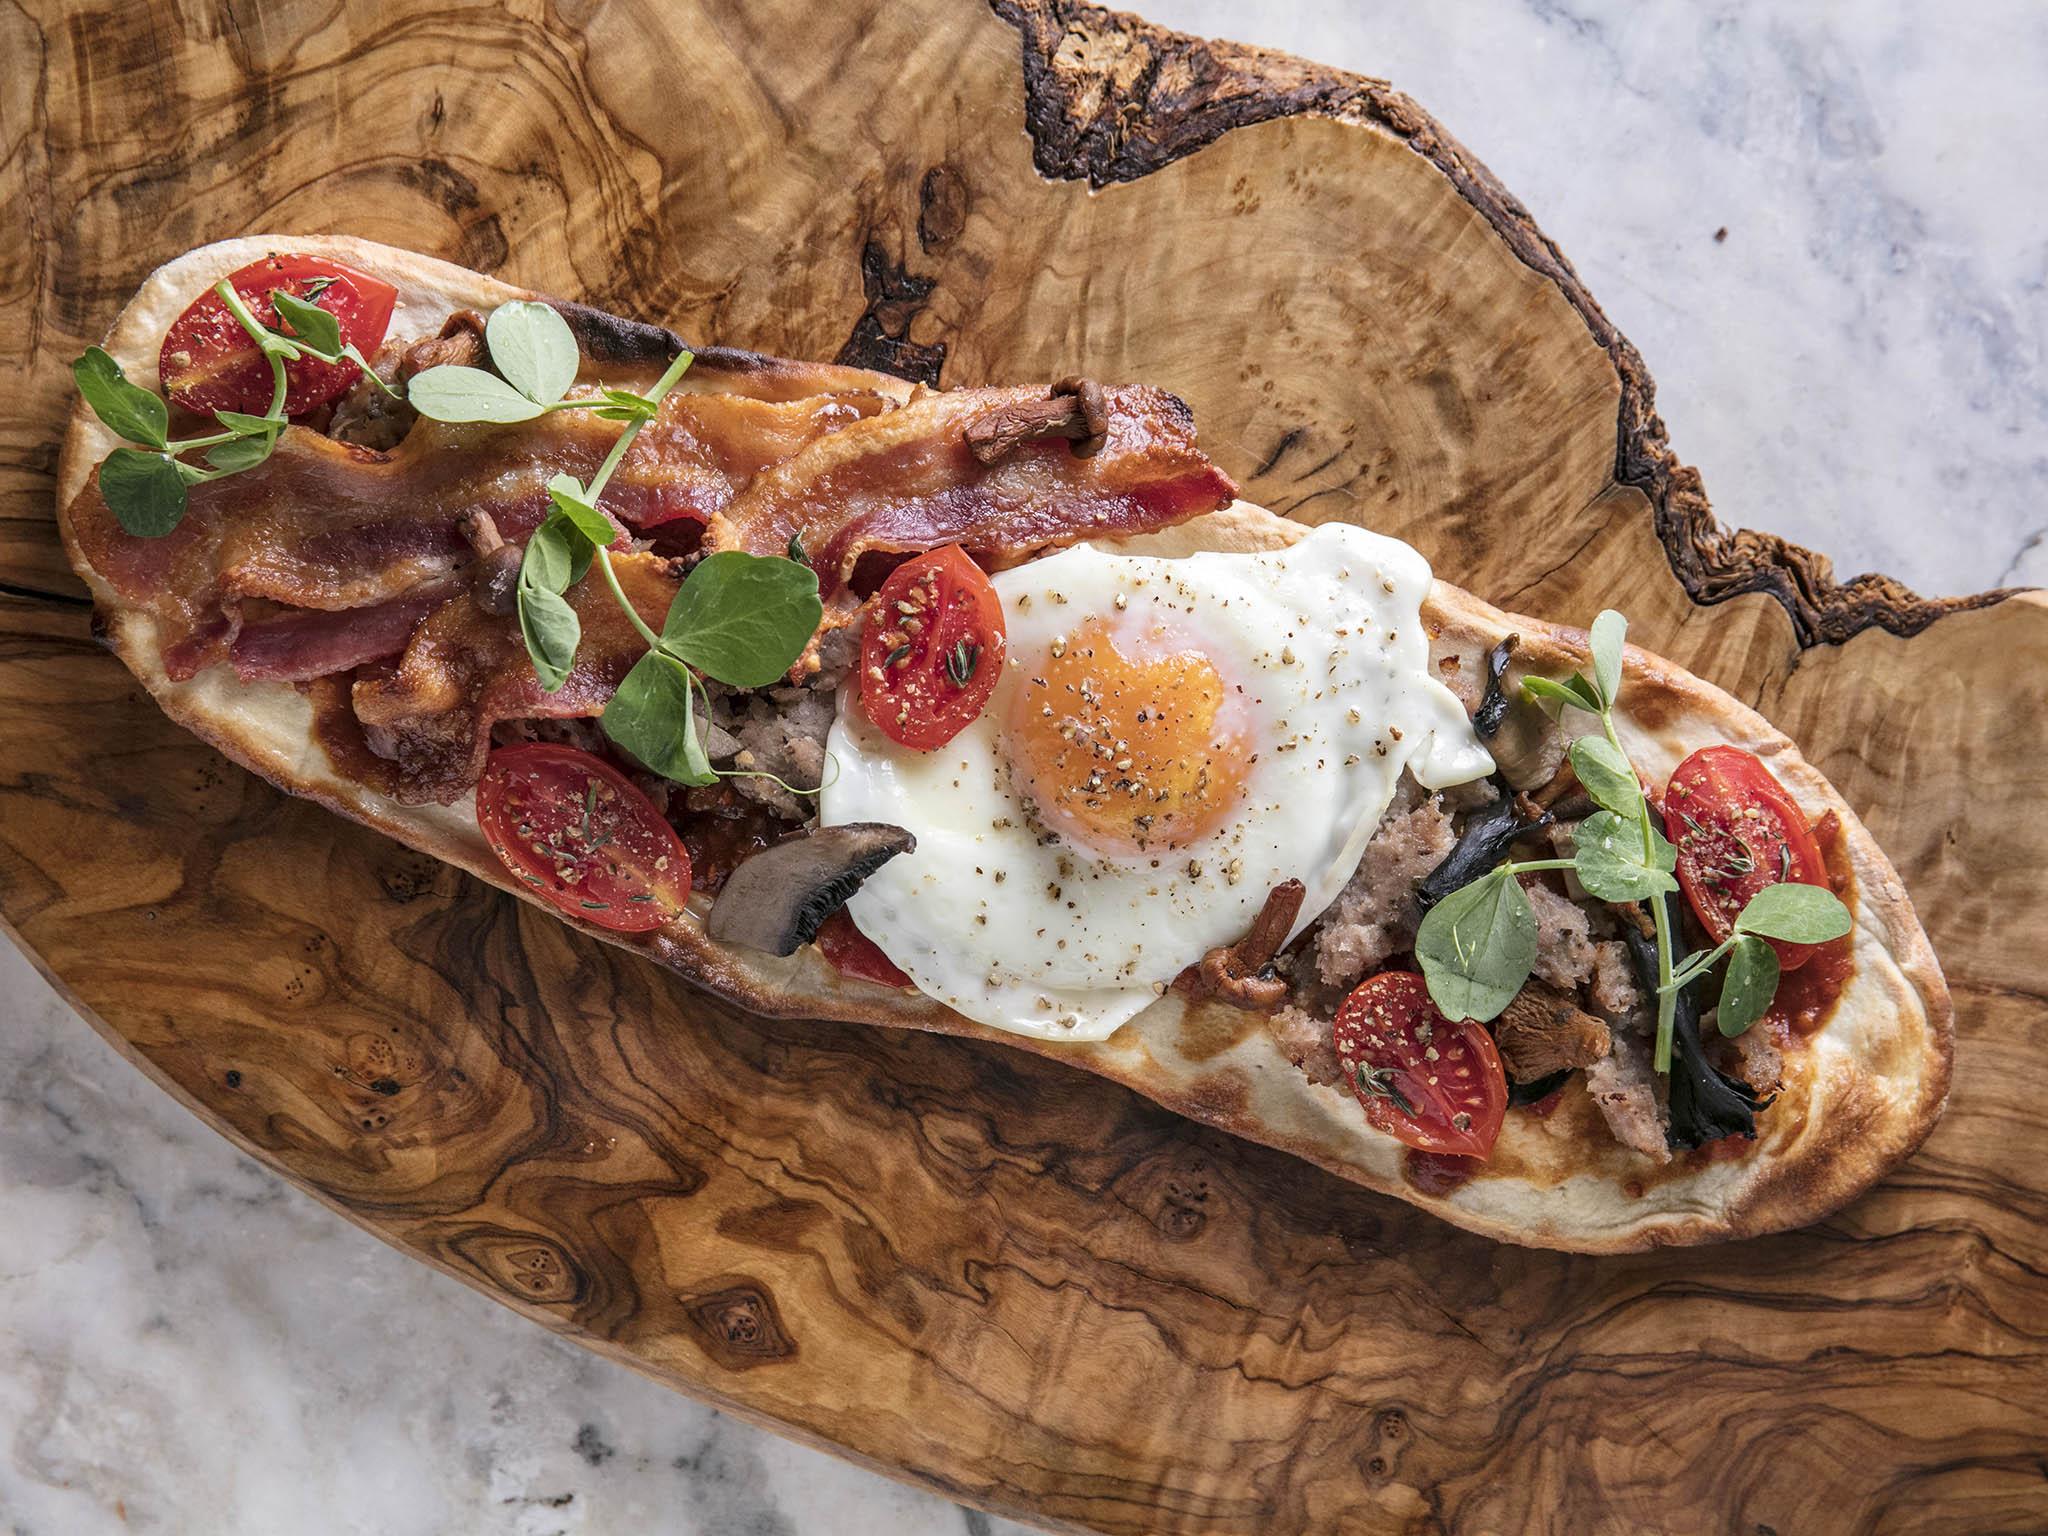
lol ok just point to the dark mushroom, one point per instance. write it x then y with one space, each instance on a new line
1705 1104
1521 1094
775 901
1488 835
1493 704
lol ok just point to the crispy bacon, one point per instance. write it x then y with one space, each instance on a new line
301 644
879 488
911 481
322 524
367 552
464 671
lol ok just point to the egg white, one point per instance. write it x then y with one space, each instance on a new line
1032 932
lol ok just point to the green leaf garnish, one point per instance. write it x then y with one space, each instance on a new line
453 393
1795 913
144 491
131 412
241 421
560 554
242 452
743 619
573 502
551 630
1608 858
1609 631
317 330
1751 983
1476 947
532 346
1574 690
652 717
1606 775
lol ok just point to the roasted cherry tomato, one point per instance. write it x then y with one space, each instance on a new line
853 953
576 830
1424 1080
933 649
1737 831
209 363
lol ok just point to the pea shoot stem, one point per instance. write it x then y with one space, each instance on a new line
1667 993
598 481
264 341
1699 965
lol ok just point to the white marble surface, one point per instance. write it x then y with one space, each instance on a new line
187 1346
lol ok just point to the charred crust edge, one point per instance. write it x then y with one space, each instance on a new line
1110 97
609 338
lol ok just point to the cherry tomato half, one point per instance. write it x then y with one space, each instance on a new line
933 649
1737 831
209 363
1432 1084
853 953
575 829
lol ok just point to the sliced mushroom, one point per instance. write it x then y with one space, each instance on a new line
1528 745
775 901
460 344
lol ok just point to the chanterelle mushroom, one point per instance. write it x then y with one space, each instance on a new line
1544 1031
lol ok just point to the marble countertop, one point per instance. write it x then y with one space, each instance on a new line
1825 232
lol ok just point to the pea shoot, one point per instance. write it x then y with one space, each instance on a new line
145 486
740 619
1477 946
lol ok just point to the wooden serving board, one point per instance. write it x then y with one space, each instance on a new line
969 1267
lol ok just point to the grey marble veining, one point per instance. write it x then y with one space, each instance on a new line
188 1346
1858 361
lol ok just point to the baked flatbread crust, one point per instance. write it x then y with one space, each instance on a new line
1857 1099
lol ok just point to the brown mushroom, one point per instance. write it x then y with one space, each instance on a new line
1544 1031
460 344
776 900
1074 408
1242 974
495 578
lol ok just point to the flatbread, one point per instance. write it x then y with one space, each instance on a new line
1857 1099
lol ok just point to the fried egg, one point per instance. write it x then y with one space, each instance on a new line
1171 739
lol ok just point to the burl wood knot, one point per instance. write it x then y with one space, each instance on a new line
376 1070
530 1267
738 1325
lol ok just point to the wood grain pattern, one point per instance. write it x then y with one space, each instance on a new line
965 1265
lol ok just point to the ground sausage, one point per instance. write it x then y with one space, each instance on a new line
1308 1042
1564 945
1376 914
1624 1090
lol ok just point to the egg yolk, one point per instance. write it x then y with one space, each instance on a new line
1128 738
